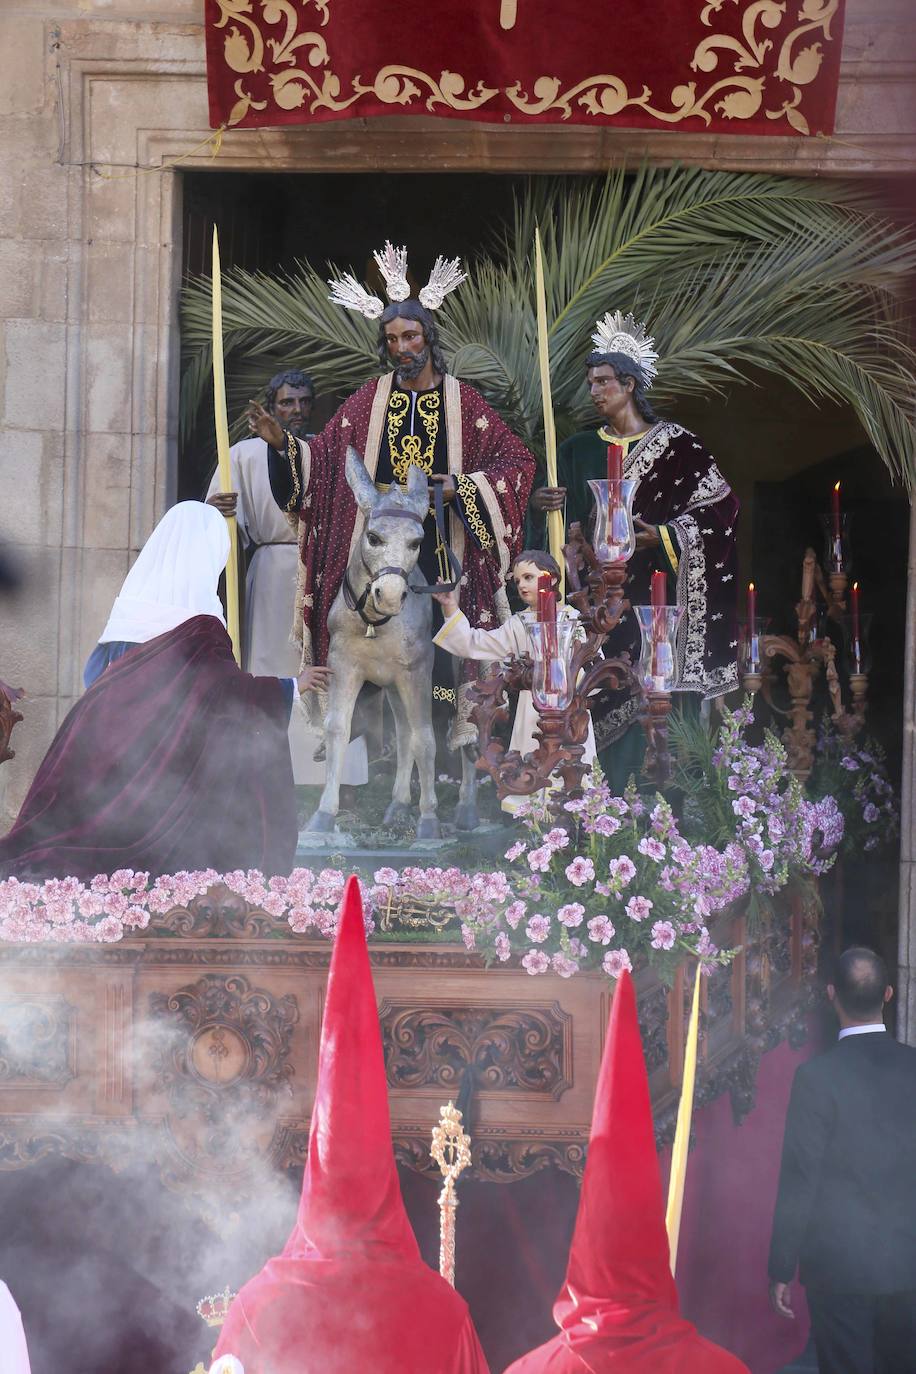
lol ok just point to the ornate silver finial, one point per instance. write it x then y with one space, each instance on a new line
392 263
346 291
617 333
445 277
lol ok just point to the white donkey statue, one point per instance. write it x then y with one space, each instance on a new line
380 634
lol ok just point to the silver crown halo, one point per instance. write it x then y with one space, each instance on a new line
617 333
445 277
392 263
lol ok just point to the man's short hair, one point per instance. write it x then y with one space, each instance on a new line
859 981
293 376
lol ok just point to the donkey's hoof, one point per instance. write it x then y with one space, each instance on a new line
428 828
397 813
321 823
466 817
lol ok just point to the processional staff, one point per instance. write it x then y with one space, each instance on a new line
681 1144
556 532
222 452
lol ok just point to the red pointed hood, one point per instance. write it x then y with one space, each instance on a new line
351 1199
350 1291
620 1245
618 1308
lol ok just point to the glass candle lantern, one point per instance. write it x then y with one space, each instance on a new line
551 645
614 537
657 668
836 542
750 649
857 642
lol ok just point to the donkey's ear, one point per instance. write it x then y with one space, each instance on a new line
418 489
360 483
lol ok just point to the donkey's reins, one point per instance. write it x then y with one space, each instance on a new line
358 603
454 564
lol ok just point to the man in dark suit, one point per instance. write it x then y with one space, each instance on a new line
846 1206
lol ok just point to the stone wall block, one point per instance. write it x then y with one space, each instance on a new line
107 361
23 84
30 472
110 273
111 210
19 275
35 365
28 630
106 491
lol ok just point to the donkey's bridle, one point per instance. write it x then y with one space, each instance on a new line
358 603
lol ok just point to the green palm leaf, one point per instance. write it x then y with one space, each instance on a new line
737 274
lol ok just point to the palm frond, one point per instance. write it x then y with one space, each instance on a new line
735 273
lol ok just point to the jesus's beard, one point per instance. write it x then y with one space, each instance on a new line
409 371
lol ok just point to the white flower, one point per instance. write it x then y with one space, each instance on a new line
571 914
638 908
615 961
663 935
580 871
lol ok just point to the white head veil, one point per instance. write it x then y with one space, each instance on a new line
14 1357
174 577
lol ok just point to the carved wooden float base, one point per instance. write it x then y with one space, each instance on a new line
198 1051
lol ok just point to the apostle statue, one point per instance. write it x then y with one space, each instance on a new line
273 560
417 413
686 519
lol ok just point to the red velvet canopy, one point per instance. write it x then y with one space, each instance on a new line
350 1291
751 66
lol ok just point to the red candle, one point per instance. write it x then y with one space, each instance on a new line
751 607
659 591
835 510
545 596
614 462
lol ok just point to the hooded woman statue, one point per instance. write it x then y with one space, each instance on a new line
173 759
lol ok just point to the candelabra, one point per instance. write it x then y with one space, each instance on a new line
567 667
807 654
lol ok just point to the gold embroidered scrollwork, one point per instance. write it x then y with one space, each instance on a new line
410 448
467 495
754 83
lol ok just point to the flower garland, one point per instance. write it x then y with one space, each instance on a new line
620 881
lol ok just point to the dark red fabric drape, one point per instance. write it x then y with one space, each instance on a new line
744 67
173 760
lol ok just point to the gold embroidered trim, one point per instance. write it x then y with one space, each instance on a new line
409 449
742 76
444 694
497 523
668 546
467 492
292 453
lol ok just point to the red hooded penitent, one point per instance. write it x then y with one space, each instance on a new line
350 1291
618 1309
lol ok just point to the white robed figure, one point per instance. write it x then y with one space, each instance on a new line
270 586
509 640
14 1356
